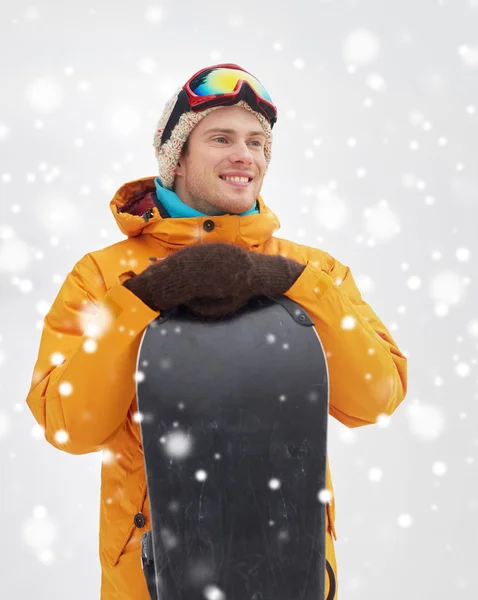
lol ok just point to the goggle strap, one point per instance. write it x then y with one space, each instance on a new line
181 106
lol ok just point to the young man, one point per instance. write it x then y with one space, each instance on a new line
199 234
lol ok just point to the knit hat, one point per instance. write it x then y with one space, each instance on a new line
169 153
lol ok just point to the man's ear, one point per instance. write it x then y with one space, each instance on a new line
179 170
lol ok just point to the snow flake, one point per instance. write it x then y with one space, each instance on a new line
447 288
472 328
4 424
365 284
405 521
325 496
107 457
90 346
201 475
15 254
346 435
463 254
65 388
469 55
178 444
39 532
375 474
168 538
46 557
330 211
348 322
95 322
138 417
4 132
441 310
376 82
361 47
38 432
139 376
439 468
45 95
212 592
154 14
383 421
381 222
462 369
274 484
414 282
426 421
57 359
84 86
61 436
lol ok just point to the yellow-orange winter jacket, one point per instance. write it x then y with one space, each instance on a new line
83 386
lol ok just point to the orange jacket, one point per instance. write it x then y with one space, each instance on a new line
83 385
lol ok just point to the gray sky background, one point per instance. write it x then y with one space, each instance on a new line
374 161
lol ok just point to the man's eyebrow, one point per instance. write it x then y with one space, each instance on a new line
231 131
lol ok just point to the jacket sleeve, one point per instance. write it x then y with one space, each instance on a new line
83 381
367 371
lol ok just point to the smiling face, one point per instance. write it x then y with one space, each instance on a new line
224 167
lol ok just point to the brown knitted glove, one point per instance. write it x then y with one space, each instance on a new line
272 276
213 279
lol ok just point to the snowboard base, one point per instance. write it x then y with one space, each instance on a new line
234 420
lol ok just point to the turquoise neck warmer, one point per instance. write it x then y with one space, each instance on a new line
176 207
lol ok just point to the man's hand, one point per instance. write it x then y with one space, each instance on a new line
213 279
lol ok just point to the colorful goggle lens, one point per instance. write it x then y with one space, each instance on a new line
223 81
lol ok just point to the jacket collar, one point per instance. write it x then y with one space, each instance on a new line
137 211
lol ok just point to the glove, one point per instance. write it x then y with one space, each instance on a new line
212 279
272 276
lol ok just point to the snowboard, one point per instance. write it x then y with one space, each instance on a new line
233 417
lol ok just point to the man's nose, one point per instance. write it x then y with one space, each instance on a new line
241 153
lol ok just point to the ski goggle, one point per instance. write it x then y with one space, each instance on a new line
220 85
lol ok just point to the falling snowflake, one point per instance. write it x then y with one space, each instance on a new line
405 521
178 445
426 421
201 475
211 592
325 496
361 47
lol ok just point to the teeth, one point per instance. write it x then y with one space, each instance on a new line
237 179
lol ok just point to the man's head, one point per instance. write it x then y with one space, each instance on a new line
225 149
196 149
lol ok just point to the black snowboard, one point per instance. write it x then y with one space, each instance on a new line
234 424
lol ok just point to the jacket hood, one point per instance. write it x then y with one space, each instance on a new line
136 213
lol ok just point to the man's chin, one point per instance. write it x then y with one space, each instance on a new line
234 207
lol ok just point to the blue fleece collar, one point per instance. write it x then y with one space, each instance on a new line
177 209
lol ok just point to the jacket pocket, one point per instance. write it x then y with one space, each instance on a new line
128 542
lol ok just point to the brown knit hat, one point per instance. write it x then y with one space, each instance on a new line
169 153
